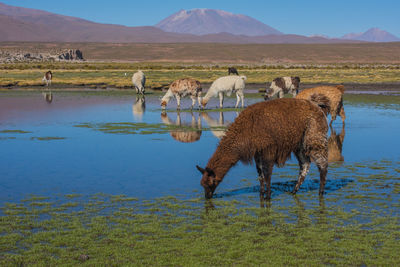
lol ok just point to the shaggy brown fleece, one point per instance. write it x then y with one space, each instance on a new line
333 93
269 132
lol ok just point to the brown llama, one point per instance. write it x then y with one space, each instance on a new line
48 76
181 88
269 132
335 96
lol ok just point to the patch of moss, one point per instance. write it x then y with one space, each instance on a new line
48 138
140 128
15 131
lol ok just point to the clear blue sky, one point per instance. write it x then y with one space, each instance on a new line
328 17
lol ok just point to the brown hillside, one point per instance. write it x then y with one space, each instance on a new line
383 53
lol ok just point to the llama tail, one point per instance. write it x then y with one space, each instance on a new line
244 78
340 88
322 101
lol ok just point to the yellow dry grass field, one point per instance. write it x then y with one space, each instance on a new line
157 78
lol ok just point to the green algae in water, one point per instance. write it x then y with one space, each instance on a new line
129 233
355 225
141 128
48 138
15 131
8 138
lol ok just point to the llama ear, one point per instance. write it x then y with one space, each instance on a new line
200 169
210 171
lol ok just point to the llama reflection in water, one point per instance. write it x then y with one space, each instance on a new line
218 127
48 97
185 132
139 107
335 145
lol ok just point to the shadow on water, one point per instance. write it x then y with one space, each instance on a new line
279 188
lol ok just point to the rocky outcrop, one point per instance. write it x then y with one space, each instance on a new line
29 56
71 55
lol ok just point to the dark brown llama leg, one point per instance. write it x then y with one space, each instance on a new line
267 170
259 165
320 157
323 170
316 144
304 164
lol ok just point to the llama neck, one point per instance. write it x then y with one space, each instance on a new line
167 96
210 93
223 159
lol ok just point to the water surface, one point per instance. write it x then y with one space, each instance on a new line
83 143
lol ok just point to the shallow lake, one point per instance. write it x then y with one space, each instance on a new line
86 143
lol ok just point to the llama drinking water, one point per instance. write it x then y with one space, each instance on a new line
269 132
181 88
226 85
139 81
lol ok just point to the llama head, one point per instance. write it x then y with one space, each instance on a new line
203 103
208 181
163 104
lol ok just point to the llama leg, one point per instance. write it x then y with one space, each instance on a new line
304 164
237 100
221 99
199 100
239 96
281 94
267 170
193 101
320 156
321 160
259 167
178 101
323 170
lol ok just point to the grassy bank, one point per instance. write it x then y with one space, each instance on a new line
356 223
118 75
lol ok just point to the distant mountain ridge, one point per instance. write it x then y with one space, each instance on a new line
211 21
372 35
18 24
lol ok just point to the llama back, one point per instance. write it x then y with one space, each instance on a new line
340 88
274 127
226 83
330 91
189 84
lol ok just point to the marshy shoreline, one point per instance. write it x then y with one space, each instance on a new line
392 88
